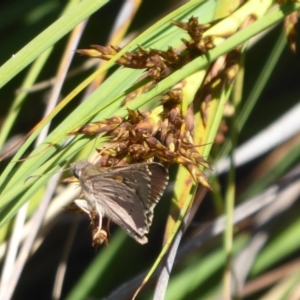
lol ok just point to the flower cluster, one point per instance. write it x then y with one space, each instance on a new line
159 64
163 133
198 44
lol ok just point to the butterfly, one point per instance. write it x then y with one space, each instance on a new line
126 195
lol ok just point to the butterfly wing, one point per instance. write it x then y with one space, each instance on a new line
128 195
154 176
123 207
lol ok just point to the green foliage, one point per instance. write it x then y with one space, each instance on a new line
35 61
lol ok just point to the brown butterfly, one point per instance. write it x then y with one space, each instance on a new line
125 195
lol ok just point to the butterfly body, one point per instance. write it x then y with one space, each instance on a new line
126 195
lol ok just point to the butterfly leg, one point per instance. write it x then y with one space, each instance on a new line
100 216
84 206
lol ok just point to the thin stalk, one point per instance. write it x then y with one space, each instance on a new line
231 189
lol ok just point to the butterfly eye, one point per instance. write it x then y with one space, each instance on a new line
76 173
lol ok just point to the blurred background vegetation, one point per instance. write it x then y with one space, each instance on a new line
264 257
